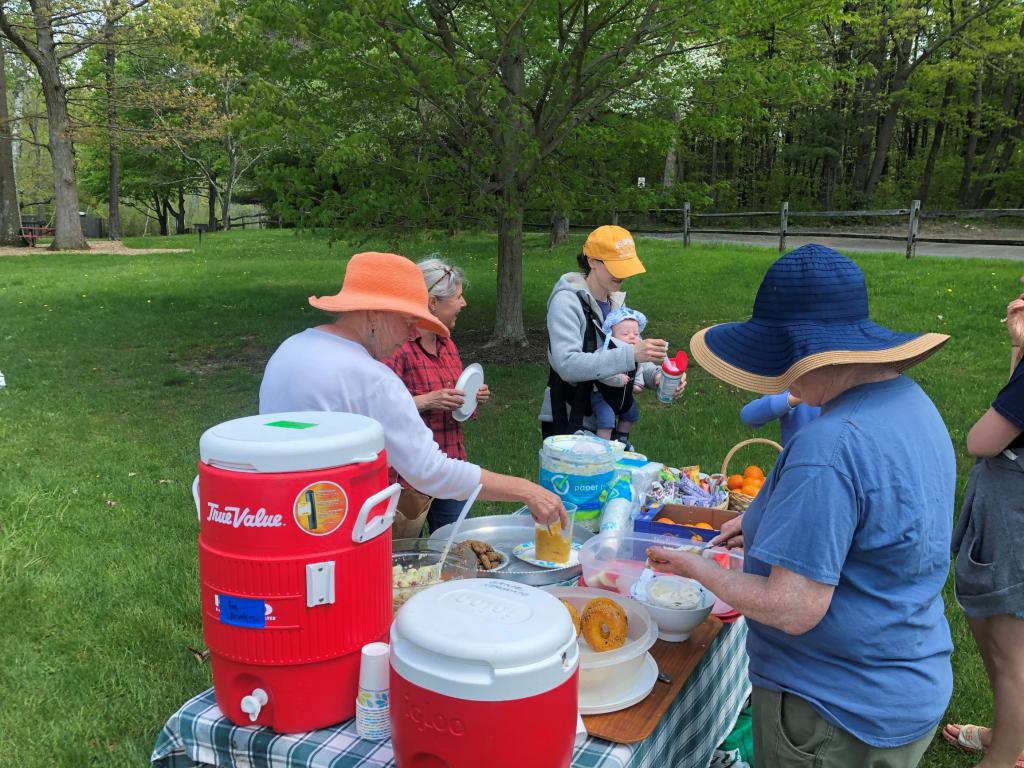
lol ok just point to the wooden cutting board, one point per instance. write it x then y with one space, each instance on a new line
678 660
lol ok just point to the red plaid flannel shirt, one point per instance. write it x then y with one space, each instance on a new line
422 372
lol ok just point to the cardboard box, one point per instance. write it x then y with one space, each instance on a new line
684 517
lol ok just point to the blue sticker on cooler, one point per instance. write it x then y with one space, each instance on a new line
242 612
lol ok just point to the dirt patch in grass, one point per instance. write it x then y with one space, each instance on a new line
251 355
474 347
113 247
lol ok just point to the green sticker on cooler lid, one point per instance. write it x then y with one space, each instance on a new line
290 424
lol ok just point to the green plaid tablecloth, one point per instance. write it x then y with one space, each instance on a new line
696 722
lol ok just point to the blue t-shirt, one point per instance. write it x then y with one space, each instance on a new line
1009 403
862 499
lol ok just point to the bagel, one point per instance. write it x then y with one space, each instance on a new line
604 625
573 614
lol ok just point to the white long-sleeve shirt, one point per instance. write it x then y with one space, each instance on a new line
318 371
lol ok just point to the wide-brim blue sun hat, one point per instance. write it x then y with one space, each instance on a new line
811 311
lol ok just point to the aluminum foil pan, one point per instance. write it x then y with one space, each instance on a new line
504 532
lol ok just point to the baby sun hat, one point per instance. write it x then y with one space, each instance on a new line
385 282
811 311
616 316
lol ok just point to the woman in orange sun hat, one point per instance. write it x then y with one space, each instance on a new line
336 367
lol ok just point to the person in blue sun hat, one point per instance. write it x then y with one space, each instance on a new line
846 547
615 409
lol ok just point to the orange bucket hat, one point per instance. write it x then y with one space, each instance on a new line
384 282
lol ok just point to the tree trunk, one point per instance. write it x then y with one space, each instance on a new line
232 148
67 221
883 140
511 131
668 177
10 214
883 137
508 321
869 115
161 213
559 230
114 172
983 179
211 201
974 123
933 151
179 215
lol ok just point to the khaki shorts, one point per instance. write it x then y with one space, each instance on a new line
789 733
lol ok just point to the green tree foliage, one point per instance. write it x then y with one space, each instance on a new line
458 110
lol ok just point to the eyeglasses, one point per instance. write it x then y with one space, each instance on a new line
447 273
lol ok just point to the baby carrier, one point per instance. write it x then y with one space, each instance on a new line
570 403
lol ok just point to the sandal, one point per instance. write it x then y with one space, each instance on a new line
967 738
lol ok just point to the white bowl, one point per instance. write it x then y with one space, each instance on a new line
609 677
676 624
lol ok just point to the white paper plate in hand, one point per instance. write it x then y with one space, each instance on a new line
470 381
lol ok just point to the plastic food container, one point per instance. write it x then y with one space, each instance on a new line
614 680
414 567
615 560
675 624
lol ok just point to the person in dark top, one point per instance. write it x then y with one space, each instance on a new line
989 565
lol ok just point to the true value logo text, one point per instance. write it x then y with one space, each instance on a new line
239 517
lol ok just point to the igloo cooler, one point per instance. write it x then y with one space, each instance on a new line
295 517
484 672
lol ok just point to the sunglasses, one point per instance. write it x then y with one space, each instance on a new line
446 274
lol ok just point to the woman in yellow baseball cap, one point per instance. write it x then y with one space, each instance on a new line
577 307
336 367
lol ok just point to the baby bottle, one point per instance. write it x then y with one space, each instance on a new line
672 370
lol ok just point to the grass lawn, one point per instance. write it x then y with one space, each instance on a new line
116 364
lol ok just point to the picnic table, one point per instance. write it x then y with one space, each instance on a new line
699 718
32 232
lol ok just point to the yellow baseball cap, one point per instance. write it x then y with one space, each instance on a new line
615 247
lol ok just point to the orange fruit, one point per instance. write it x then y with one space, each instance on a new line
735 482
753 471
750 490
705 526
665 520
758 481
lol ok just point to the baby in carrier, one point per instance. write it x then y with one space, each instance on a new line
612 398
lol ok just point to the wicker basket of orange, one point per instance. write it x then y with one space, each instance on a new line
743 487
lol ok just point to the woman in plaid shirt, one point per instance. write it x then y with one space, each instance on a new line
429 365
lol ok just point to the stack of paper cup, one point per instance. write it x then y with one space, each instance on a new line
372 718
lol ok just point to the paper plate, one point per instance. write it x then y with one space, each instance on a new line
505 560
527 549
593 703
470 381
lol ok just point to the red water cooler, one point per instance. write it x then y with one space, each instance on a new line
295 517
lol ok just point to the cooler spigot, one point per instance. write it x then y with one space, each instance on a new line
253 703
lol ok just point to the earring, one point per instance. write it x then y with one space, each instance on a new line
373 335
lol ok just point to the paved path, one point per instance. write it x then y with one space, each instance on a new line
964 250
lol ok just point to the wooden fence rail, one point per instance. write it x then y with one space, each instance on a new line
259 220
912 214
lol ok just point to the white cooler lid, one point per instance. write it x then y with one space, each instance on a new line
484 640
292 442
